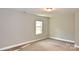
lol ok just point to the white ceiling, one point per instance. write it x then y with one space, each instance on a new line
42 12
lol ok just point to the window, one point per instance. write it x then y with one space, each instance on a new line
39 25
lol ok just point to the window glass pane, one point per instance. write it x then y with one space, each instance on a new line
38 27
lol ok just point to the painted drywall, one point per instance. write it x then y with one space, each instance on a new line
16 27
62 26
77 28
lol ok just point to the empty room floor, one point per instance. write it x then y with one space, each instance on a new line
48 45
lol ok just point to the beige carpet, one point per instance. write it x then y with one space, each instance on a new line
49 45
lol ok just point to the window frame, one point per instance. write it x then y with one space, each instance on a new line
42 27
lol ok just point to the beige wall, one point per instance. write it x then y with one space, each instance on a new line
77 28
62 26
16 27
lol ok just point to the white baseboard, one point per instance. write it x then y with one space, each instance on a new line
62 39
12 46
76 46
